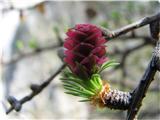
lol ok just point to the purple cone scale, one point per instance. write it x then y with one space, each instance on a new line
85 49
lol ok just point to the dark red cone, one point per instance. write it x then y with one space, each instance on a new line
85 49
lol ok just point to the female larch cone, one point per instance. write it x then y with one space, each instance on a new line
85 55
85 51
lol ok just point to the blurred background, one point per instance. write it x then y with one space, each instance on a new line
31 32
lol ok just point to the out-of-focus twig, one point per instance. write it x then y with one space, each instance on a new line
29 54
36 89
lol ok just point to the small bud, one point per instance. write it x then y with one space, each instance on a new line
34 87
60 53
15 103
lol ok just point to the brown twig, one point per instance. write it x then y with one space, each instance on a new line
147 20
36 89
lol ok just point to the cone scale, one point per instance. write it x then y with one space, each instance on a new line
85 55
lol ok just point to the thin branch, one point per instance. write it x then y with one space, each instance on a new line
147 20
36 89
